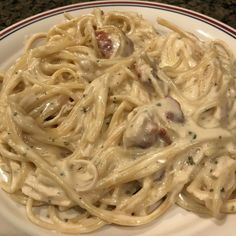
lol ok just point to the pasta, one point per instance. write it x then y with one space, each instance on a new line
106 119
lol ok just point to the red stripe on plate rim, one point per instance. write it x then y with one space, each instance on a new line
124 3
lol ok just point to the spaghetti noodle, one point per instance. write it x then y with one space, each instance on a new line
105 120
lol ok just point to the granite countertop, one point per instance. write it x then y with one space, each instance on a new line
12 11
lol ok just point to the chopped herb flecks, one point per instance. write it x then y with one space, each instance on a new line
84 109
192 134
190 161
66 143
52 139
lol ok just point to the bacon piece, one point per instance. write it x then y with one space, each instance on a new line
173 109
104 43
145 128
164 136
144 68
142 131
175 118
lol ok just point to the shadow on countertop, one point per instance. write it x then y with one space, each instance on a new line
12 11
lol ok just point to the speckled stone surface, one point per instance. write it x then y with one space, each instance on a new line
12 11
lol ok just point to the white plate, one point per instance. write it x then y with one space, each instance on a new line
176 222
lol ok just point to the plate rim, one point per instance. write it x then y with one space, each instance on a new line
103 3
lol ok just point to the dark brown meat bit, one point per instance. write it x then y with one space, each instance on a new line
142 132
164 136
104 43
174 112
173 117
149 135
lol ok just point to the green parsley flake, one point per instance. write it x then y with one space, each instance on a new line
190 161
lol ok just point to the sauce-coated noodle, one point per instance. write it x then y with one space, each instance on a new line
105 120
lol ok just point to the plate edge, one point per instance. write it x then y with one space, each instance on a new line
209 20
